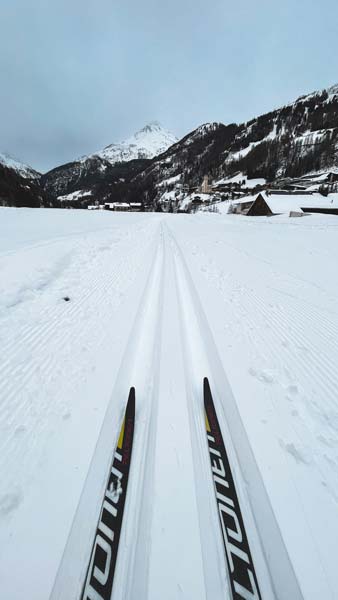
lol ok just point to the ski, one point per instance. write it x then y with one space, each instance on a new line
100 573
241 571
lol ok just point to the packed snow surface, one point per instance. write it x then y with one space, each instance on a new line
94 302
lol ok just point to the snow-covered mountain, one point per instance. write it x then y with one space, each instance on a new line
149 142
278 147
105 171
19 167
295 140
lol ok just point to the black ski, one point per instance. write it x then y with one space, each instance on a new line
101 568
241 569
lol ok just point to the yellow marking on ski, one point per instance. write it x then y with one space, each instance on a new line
207 423
120 442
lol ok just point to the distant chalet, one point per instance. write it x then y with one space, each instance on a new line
270 204
117 206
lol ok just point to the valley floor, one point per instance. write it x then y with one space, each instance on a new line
92 303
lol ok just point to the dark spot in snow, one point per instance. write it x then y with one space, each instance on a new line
9 502
66 298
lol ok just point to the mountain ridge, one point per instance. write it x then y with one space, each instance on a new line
21 168
153 167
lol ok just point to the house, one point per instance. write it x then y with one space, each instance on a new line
135 206
290 192
117 206
278 204
242 207
260 207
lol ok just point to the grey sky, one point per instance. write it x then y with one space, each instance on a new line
77 75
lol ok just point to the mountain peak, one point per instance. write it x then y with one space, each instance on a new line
21 168
333 89
149 142
152 126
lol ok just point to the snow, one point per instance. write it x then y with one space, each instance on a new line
149 142
284 203
245 151
77 195
18 166
195 196
310 138
170 180
159 301
331 91
168 196
242 153
207 128
239 178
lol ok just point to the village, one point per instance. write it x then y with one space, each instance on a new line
239 195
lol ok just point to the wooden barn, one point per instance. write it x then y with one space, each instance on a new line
267 205
260 208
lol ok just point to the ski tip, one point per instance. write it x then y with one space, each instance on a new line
206 392
131 401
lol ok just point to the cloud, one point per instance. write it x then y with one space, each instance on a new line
76 76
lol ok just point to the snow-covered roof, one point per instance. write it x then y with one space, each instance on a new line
117 204
196 196
284 203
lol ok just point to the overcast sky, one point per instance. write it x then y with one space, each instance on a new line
77 75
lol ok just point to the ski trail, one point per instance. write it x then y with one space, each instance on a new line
282 340
275 573
146 376
176 560
137 369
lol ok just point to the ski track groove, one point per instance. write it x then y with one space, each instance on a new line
281 562
295 324
253 324
197 418
141 346
137 577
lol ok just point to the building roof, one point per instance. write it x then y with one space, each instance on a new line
282 204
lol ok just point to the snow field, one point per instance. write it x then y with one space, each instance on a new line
159 302
281 375
56 374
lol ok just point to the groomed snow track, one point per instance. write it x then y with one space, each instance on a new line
166 360
235 410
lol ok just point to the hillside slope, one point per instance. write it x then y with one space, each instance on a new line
16 190
295 140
